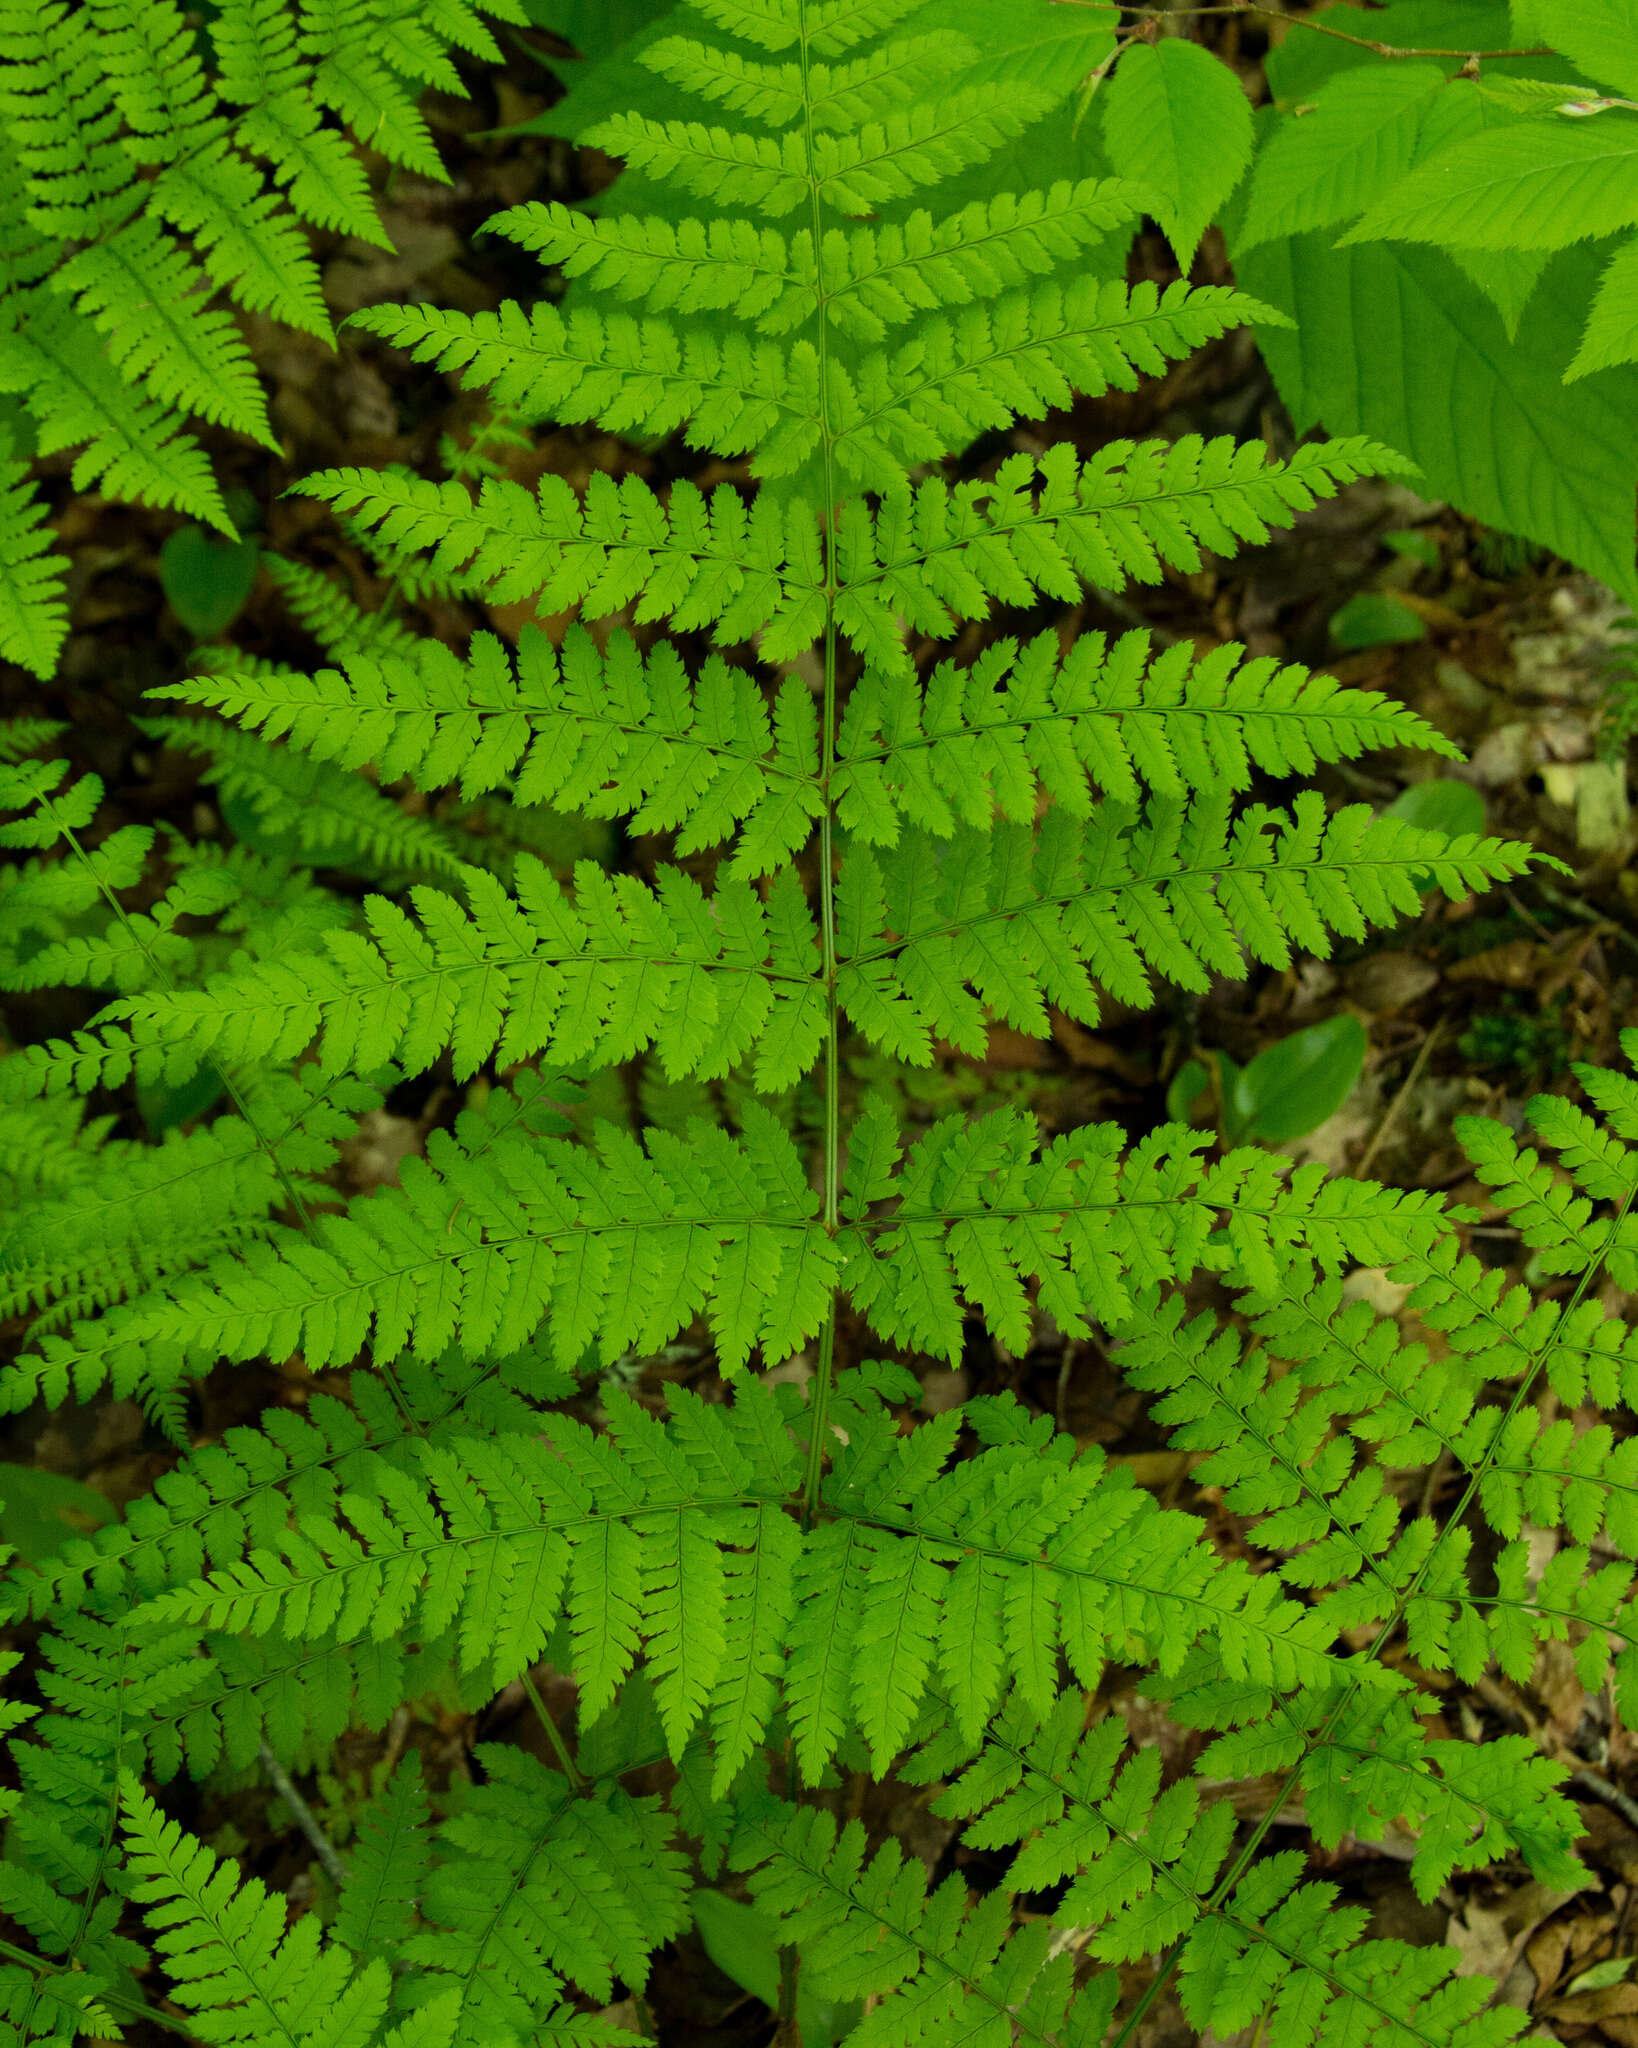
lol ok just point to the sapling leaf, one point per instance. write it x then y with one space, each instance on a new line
1291 1087
206 581
1375 618
41 1511
744 1945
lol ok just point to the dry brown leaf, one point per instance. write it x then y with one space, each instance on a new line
1517 964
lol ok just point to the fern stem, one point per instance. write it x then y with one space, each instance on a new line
819 1406
554 1734
115 2000
788 2030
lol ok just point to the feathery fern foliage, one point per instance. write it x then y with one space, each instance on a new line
147 173
853 849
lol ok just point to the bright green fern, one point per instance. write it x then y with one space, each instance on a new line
843 841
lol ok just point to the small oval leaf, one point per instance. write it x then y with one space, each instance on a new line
1443 805
206 581
1290 1088
1375 618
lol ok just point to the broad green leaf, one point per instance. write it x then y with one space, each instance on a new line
206 581
1330 163
1442 805
40 1511
595 28
1612 325
1530 186
1176 122
1414 545
1291 1087
1394 342
1507 277
1600 36
1602 1976
1188 1084
744 1945
1375 618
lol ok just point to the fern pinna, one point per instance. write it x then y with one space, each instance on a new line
145 166
865 851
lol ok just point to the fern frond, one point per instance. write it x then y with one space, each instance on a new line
617 969
261 69
844 97
1046 523
223 1940
600 734
980 1568
534 1887
236 1495
341 627
1027 917
143 295
355 54
943 1969
623 1250
155 1210
634 376
882 276
204 187
33 604
388 1868
99 1687
57 104
1028 352
705 561
20 737
1140 1864
76 395
976 1211
876 278
1095 720
306 810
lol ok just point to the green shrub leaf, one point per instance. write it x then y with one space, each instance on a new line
1176 122
1291 1087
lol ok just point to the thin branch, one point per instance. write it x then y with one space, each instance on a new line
1298 21
1424 1052
306 1819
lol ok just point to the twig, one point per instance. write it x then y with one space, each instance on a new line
1300 21
1608 1795
1575 907
323 1848
1424 1052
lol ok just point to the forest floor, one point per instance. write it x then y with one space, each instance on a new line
1470 1008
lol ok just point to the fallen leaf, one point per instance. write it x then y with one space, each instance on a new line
1391 981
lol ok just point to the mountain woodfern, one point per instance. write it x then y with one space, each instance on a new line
797 1573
